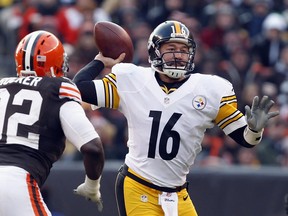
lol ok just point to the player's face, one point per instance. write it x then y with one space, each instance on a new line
175 54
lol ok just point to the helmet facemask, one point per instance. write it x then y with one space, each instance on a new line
174 68
65 66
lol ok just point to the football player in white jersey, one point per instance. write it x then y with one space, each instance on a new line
39 109
168 109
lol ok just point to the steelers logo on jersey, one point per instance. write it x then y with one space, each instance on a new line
199 102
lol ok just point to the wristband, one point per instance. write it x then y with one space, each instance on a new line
92 184
251 137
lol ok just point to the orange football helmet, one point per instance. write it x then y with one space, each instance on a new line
41 53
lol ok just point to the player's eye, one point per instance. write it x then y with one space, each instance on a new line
171 49
184 50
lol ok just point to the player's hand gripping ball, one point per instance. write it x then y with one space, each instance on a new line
112 40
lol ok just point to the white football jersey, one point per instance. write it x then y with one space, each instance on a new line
166 130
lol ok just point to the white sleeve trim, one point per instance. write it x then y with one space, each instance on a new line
76 126
251 137
100 92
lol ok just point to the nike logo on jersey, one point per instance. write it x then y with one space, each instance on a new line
185 198
68 90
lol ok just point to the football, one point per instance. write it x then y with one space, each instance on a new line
112 40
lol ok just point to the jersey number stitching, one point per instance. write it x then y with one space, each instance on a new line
12 122
166 134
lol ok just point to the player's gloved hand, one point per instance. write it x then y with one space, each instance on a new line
90 189
257 117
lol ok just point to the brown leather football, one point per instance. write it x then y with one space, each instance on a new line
112 40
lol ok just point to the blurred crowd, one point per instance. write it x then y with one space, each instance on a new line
244 41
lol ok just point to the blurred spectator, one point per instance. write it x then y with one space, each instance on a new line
283 100
247 157
249 91
272 146
252 14
139 29
211 149
47 12
11 19
236 62
284 10
211 8
270 89
235 69
105 129
267 49
118 148
127 13
281 68
160 13
5 3
269 44
84 48
229 151
234 40
245 13
66 20
222 21
140 53
208 61
195 9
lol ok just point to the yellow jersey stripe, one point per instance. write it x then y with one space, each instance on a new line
228 112
224 111
236 118
232 103
112 79
228 98
230 119
116 98
111 97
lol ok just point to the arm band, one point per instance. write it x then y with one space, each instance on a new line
84 80
252 137
89 72
92 184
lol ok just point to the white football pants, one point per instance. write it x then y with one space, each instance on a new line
20 194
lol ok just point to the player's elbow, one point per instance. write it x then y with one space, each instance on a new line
93 148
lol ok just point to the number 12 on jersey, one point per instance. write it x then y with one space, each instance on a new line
9 124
